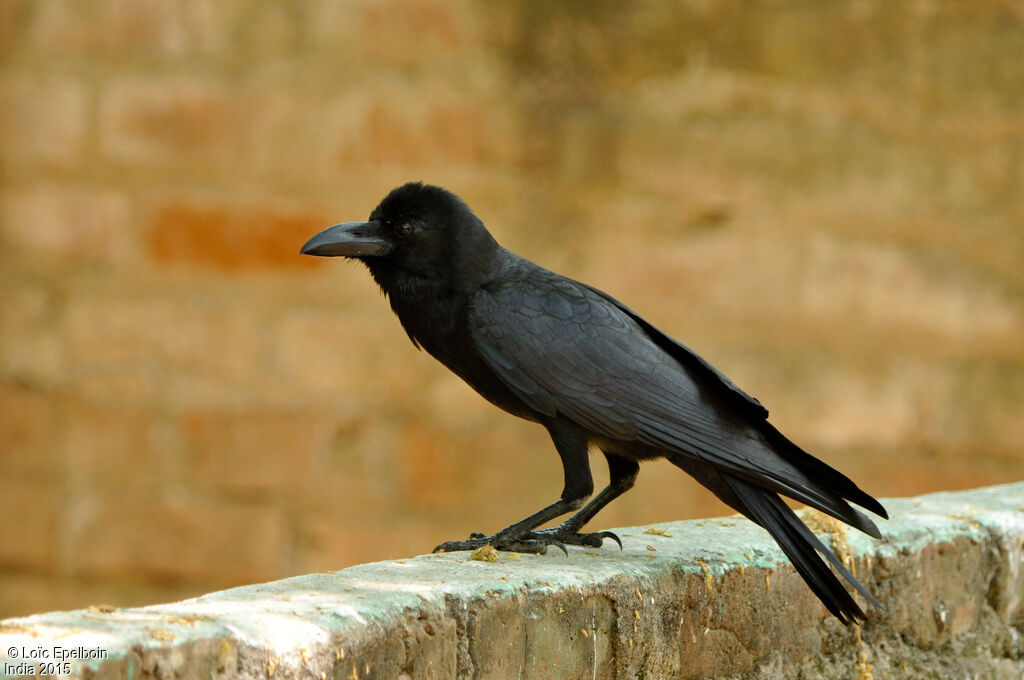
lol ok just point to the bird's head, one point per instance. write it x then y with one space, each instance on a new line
418 230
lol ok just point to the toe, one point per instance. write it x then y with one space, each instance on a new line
609 534
455 546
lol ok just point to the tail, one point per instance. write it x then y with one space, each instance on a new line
801 546
823 474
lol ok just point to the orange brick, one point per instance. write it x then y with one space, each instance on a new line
196 124
435 24
177 539
397 132
111 29
236 239
395 125
257 451
68 222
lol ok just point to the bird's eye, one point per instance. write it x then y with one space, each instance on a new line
403 229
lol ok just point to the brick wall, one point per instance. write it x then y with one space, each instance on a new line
827 202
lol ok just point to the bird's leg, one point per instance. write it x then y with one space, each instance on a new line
518 537
622 474
571 444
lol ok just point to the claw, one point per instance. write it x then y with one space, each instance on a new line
611 535
455 546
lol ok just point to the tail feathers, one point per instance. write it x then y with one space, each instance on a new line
802 548
822 472
818 496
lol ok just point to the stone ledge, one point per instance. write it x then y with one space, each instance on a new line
689 599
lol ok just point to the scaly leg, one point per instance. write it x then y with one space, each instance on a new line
622 474
571 443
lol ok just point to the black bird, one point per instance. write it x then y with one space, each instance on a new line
593 372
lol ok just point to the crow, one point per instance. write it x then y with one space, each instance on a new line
593 372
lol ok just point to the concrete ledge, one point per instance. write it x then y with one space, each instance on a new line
690 599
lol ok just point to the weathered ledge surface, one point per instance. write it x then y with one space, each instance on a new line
706 598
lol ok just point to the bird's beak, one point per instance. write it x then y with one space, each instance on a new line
351 239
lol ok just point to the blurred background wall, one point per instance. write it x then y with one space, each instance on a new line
824 199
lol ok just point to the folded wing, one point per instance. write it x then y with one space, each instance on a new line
566 348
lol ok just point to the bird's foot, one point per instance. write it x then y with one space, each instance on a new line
536 541
530 542
569 536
